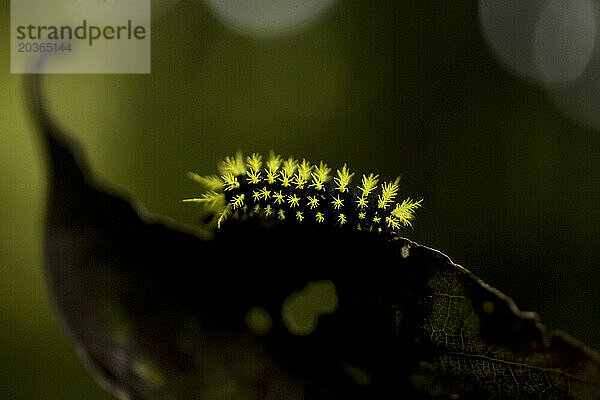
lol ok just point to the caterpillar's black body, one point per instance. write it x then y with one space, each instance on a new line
289 191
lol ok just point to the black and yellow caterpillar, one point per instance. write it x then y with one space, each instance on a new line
289 190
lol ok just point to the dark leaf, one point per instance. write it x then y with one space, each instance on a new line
158 313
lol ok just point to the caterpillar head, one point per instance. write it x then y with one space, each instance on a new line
297 192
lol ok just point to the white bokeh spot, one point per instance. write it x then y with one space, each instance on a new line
564 40
268 17
545 41
553 43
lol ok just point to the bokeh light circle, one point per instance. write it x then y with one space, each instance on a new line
545 41
509 27
268 17
564 40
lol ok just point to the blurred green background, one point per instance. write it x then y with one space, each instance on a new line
511 185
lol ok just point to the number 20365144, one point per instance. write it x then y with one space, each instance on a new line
36 47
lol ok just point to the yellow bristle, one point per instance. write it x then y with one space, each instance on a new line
211 182
286 179
405 211
313 202
274 161
369 183
224 215
211 200
303 174
362 202
256 195
294 200
237 201
337 202
230 181
273 164
281 214
265 194
254 161
320 176
271 177
299 181
392 222
342 219
388 193
299 216
343 179
289 166
268 210
319 217
304 169
233 165
278 197
253 176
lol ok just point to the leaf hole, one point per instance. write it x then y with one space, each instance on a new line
259 321
301 310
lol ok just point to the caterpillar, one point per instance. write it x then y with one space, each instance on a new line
292 191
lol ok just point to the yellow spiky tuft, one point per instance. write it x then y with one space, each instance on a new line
274 161
303 174
224 215
211 182
343 179
237 201
230 181
289 166
299 181
313 202
254 161
278 197
320 176
405 211
392 222
273 164
212 200
388 193
362 202
319 217
233 165
286 179
337 202
265 193
293 200
253 176
369 183
271 177
304 169
268 210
